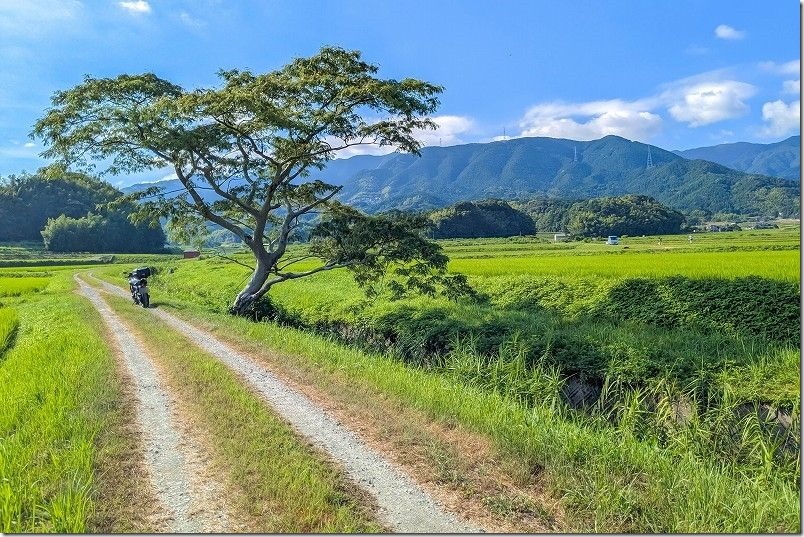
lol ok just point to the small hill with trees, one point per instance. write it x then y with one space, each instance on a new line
72 212
625 215
491 218
596 217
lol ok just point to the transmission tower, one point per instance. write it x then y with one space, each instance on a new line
650 159
575 157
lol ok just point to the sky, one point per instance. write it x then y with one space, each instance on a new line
674 73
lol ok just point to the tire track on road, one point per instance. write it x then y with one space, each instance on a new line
174 463
402 504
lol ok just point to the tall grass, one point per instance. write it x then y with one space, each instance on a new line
9 321
57 387
608 481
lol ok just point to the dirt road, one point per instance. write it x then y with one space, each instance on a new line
190 500
403 505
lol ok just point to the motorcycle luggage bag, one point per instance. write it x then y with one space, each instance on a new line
143 272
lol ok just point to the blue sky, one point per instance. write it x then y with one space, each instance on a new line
674 73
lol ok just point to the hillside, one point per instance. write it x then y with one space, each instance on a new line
780 159
537 167
531 167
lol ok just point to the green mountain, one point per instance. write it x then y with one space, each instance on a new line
560 168
550 167
781 159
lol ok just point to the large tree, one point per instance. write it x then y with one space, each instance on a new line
258 143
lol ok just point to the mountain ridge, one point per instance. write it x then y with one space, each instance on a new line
552 167
778 159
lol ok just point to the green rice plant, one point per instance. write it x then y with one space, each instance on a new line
17 286
58 385
9 321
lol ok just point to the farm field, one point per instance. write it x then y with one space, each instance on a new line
715 331
688 376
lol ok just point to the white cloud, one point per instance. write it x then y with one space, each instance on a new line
136 6
781 118
449 132
29 144
191 22
792 86
793 67
724 31
699 103
591 120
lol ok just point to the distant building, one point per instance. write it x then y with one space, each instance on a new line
191 254
559 237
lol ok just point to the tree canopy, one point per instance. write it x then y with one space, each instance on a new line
490 218
259 142
28 200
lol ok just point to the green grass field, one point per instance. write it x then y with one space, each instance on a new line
59 391
693 346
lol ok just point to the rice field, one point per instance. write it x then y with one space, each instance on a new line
18 286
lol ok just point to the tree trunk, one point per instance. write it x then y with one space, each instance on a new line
247 298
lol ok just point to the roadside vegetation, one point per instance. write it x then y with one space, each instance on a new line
59 413
274 477
689 380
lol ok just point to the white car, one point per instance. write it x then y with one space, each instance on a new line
613 239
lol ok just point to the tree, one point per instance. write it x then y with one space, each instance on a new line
257 142
27 201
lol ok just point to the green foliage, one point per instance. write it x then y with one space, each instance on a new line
626 215
96 233
28 201
492 218
548 214
749 306
9 321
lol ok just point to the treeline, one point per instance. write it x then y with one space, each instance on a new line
70 213
622 215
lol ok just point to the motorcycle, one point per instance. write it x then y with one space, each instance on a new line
138 285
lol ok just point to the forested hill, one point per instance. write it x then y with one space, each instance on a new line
530 167
780 159
559 168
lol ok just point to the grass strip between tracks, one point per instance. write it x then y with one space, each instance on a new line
276 479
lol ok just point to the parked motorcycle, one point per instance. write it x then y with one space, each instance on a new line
138 284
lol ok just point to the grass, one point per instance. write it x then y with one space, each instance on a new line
17 286
9 321
63 422
607 481
58 386
278 479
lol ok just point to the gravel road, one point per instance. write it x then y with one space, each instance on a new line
403 505
175 467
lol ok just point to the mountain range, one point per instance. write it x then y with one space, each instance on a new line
535 167
780 159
